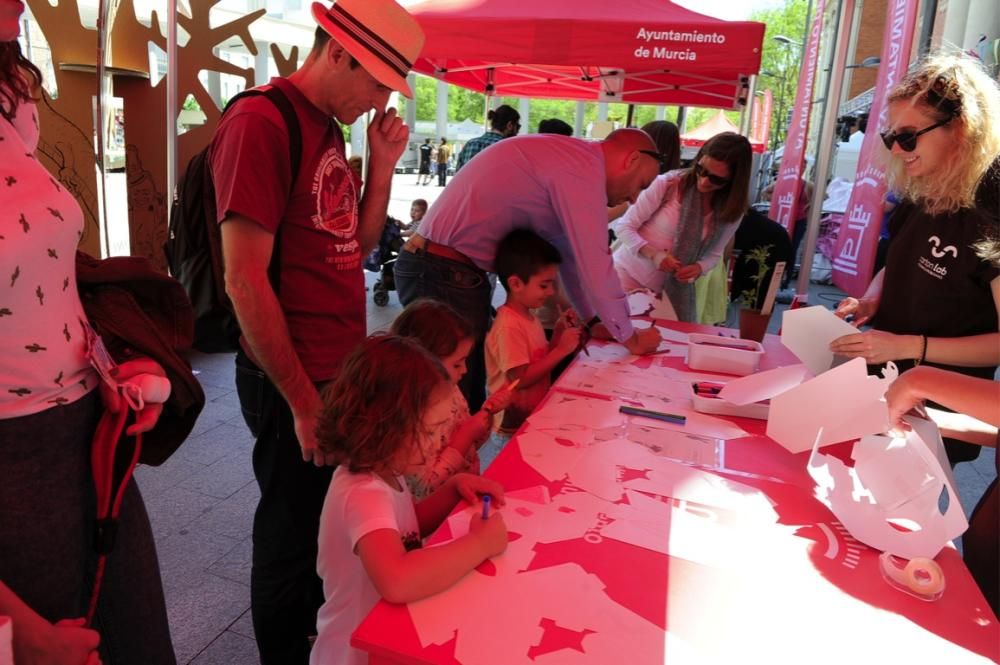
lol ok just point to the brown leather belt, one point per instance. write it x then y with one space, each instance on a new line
418 243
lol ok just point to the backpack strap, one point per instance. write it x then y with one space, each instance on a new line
288 114
291 118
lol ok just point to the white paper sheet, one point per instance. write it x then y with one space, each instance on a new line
808 331
843 403
640 302
763 385
528 604
893 481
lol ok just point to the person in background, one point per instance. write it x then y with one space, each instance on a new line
504 123
555 126
441 158
757 230
426 154
559 187
356 164
889 204
678 228
516 346
376 414
417 211
452 445
293 340
50 403
936 302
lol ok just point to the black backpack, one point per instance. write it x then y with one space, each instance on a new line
194 241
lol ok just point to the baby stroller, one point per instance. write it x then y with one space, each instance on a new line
382 259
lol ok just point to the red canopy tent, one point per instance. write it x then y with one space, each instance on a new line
715 125
633 51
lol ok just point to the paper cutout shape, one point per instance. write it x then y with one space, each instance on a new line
763 385
841 404
808 331
894 481
594 628
640 303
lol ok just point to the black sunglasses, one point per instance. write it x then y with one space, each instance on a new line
716 180
908 140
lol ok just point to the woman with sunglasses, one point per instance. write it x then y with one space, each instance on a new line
936 301
680 225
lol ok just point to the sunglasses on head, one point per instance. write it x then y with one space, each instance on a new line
908 140
716 180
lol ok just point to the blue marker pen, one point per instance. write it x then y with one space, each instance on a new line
486 506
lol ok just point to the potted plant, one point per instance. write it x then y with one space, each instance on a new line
753 324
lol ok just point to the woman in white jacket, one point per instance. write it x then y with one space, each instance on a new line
680 225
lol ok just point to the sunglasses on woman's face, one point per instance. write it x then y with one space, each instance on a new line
908 140
716 180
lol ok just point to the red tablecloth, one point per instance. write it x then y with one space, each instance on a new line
832 606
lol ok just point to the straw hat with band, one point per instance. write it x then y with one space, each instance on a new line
382 36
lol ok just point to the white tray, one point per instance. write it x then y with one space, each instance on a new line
726 355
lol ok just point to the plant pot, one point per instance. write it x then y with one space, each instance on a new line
753 324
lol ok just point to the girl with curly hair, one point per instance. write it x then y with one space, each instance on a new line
386 401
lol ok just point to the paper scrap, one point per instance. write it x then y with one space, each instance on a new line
808 331
841 404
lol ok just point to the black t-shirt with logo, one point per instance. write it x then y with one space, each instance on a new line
425 153
935 284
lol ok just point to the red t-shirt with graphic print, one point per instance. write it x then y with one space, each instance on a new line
322 287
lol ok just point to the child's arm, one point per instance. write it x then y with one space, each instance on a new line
402 577
435 508
561 346
38 641
436 472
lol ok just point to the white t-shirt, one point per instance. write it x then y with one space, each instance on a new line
515 340
355 505
41 335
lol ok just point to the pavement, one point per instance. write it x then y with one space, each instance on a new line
201 501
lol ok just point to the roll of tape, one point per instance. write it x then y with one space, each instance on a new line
920 577
924 576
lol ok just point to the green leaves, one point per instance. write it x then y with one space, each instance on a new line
759 255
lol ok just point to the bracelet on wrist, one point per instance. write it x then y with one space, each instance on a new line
923 350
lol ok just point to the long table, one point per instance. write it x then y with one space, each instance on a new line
590 577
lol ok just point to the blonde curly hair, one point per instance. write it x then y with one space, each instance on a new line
951 85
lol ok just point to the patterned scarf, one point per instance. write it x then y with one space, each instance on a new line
688 248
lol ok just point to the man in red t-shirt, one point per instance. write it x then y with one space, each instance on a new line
296 331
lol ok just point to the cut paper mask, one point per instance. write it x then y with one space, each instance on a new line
894 481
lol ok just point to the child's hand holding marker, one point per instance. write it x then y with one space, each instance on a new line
501 399
569 320
491 531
